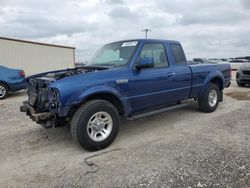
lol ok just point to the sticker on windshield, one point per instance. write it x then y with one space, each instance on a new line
132 43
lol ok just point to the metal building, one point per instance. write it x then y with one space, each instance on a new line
35 57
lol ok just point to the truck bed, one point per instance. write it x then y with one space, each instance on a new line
203 72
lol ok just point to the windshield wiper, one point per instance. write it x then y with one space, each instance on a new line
104 65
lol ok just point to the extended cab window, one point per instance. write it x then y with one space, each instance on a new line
178 54
157 52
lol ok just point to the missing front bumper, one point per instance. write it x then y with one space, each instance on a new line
43 118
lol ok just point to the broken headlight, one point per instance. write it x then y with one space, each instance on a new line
53 98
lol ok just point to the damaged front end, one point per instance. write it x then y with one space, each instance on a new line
43 105
42 102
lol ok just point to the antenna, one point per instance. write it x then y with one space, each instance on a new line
146 32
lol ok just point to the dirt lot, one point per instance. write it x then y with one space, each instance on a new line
179 148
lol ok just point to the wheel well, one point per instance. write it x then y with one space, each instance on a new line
110 98
5 84
218 81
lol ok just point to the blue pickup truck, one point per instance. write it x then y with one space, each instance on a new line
126 79
11 80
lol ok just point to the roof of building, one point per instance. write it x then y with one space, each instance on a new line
37 43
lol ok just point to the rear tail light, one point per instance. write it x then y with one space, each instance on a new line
22 74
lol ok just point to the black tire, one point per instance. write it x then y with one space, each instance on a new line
203 102
4 89
240 84
79 124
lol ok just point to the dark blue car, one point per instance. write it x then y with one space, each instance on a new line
11 80
125 79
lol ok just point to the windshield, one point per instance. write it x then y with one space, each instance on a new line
115 54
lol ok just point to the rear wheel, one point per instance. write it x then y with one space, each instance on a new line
209 102
3 91
95 125
240 84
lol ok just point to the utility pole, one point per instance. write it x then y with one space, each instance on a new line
146 32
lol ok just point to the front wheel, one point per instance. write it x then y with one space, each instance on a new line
209 101
95 125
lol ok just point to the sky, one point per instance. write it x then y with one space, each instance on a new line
206 28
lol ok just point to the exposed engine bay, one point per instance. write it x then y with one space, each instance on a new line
42 104
60 74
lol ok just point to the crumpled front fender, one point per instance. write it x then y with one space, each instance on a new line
92 91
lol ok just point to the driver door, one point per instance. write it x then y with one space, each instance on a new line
150 86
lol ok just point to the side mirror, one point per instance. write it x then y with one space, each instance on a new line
145 62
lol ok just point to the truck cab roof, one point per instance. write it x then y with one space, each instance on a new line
148 40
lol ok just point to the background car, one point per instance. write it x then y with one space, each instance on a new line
218 60
11 80
200 60
236 63
243 75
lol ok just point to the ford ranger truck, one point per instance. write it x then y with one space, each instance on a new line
125 79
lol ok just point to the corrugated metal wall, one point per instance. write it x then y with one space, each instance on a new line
34 58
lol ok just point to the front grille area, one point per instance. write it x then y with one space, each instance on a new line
32 98
38 94
247 72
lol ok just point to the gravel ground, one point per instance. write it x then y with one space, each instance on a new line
179 148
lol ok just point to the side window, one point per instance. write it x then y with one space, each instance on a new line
178 54
157 52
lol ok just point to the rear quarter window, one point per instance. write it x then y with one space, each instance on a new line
178 54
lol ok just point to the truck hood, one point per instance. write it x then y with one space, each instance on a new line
89 78
71 88
67 82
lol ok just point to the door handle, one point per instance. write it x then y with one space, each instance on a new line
171 74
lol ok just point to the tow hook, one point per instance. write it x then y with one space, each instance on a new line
37 117
25 107
40 117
